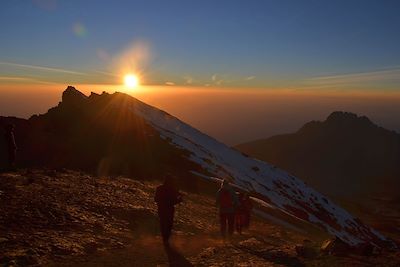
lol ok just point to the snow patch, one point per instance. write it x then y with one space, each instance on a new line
275 186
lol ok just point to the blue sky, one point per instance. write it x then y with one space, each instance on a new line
267 44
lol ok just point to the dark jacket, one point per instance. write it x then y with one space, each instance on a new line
167 197
234 198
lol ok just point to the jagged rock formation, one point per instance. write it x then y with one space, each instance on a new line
98 134
72 97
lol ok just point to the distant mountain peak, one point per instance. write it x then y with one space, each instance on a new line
339 115
342 116
71 96
344 155
340 121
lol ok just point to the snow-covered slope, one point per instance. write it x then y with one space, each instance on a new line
271 184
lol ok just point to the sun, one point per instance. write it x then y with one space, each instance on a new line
131 80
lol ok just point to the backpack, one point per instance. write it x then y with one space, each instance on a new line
226 201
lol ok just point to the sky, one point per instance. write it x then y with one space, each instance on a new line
238 52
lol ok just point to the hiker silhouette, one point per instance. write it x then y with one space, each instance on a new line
166 197
240 214
11 146
227 202
247 207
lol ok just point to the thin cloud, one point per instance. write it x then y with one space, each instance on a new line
249 78
216 79
170 83
36 67
360 77
22 79
188 79
11 78
107 73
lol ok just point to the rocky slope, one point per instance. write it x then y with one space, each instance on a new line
69 218
346 155
120 134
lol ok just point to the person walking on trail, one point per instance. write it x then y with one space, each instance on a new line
227 202
166 197
247 207
11 146
240 214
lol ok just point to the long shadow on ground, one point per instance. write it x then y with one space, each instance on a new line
275 256
175 258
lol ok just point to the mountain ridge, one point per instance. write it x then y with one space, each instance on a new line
116 132
343 148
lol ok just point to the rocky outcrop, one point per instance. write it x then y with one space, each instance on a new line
73 97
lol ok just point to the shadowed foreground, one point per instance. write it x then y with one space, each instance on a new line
65 218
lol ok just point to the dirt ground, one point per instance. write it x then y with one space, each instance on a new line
68 218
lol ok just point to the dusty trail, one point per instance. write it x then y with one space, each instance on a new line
201 249
66 218
149 251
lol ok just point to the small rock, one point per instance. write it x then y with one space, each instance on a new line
251 242
336 246
208 252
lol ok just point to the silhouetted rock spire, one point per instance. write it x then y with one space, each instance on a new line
73 97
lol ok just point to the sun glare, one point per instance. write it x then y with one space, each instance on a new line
131 81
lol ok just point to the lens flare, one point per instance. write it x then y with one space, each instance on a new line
79 30
131 80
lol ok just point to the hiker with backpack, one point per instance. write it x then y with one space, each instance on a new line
227 202
243 212
240 214
166 197
247 207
